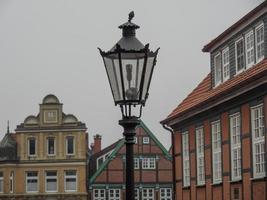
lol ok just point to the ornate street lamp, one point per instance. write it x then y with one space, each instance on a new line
129 66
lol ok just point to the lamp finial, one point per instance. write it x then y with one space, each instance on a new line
131 16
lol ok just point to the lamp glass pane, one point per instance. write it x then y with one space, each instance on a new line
132 67
113 72
148 74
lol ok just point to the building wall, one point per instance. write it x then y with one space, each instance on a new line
113 176
249 187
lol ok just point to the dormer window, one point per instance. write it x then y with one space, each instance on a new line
218 69
259 42
250 49
239 49
225 64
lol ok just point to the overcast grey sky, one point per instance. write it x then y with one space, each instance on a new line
50 46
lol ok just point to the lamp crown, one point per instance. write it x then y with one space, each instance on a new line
131 16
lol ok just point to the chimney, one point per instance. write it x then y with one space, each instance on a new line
96 146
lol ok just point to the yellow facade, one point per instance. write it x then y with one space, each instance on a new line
33 156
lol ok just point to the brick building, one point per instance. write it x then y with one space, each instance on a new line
46 157
219 129
153 169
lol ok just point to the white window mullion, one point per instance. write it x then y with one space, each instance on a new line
216 152
226 64
186 160
165 194
249 40
258 140
99 194
235 146
217 69
259 37
114 194
200 156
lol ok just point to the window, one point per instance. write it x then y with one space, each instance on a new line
32 147
70 145
200 156
216 152
114 194
136 194
226 64
50 146
51 181
31 182
258 139
70 180
148 194
99 194
235 146
259 43
165 194
135 140
145 140
136 163
1 182
102 159
186 165
148 163
11 182
239 52
250 49
218 69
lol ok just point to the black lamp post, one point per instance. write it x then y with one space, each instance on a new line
129 66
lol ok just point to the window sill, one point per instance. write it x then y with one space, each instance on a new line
201 185
258 178
186 187
236 181
217 184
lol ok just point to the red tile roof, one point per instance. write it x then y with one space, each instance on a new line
204 92
235 26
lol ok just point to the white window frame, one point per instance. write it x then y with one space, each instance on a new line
2 180
148 163
145 140
226 64
250 50
136 163
35 149
32 178
99 191
11 182
104 157
136 194
186 159
200 151
148 197
216 152
258 139
260 43
47 146
136 140
70 176
244 62
164 193
67 144
235 134
112 197
217 80
48 178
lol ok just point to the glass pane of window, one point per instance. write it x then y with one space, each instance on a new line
259 42
218 69
70 180
32 146
226 64
51 146
70 145
1 182
240 65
